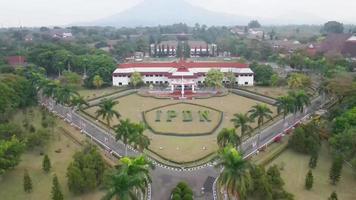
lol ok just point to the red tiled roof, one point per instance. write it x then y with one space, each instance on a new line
184 64
16 60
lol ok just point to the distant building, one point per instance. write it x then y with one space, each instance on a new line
180 72
170 48
61 34
287 46
16 61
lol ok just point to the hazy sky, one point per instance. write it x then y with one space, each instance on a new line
61 12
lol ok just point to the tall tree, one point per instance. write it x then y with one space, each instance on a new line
131 175
285 105
64 94
139 140
98 81
309 180
228 137
56 193
231 78
235 176
242 121
260 112
214 78
301 99
107 110
86 171
27 182
254 24
125 131
333 27
78 102
10 152
333 196
46 164
136 79
335 170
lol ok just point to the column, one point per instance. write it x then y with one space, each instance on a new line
193 88
182 89
172 88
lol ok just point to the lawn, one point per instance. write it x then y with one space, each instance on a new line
160 120
296 167
273 92
93 93
182 149
11 183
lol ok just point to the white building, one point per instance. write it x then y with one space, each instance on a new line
190 74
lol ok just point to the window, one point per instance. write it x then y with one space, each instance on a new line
246 83
147 82
120 83
166 82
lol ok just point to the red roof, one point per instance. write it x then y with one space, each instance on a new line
16 60
183 64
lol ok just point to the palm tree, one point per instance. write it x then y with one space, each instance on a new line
301 100
142 142
260 111
138 139
63 94
125 131
123 186
228 136
132 174
139 165
286 105
78 102
242 121
235 176
106 110
49 88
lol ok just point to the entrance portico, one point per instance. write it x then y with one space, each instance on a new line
183 85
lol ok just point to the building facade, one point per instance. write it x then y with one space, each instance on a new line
181 72
172 48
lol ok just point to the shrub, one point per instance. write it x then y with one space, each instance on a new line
309 180
335 170
313 160
182 192
305 139
27 183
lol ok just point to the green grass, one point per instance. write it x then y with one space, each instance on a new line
296 168
273 92
182 149
11 183
94 93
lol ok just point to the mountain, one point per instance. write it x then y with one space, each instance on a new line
165 12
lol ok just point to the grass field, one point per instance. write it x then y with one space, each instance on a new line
182 149
11 183
273 92
177 125
93 93
296 168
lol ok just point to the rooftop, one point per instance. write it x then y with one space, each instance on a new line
185 64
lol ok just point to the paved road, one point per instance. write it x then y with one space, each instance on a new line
164 178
